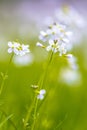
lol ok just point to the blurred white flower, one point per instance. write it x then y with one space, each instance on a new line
55 31
72 61
41 94
17 48
70 77
62 49
73 20
57 38
69 16
24 60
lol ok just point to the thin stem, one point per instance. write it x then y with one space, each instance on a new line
12 123
42 84
33 105
46 71
9 62
5 75
35 102
28 113
61 122
35 114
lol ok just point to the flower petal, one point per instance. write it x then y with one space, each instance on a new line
10 50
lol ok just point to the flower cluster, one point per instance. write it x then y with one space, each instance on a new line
41 94
58 38
17 48
73 20
69 16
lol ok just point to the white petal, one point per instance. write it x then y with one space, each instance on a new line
43 91
51 42
69 55
49 31
69 33
66 40
22 53
54 50
48 48
43 33
10 44
16 51
41 97
16 44
10 50
39 44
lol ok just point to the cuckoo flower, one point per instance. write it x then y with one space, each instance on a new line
17 48
56 38
41 94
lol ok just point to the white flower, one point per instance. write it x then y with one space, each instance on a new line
23 49
57 37
17 48
69 16
43 36
70 77
24 60
62 49
73 20
41 94
12 47
72 61
53 45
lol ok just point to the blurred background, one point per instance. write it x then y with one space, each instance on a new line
65 107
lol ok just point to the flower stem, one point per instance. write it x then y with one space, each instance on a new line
46 70
5 75
29 113
42 84
35 114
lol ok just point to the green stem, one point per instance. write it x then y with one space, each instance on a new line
12 123
5 75
2 85
29 113
42 84
35 114
46 70
35 102
61 122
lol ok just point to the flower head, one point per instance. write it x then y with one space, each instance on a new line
69 16
53 45
41 94
17 48
57 37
